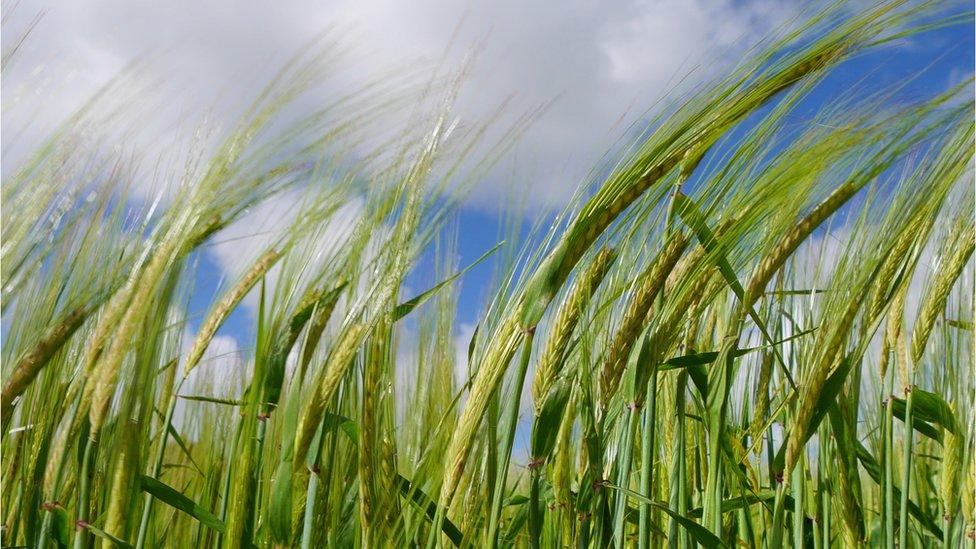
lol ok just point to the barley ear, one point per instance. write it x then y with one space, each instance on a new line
324 389
646 288
952 459
565 321
935 301
226 305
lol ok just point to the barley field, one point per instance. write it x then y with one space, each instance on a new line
747 329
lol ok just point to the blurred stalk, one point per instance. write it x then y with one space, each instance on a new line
888 489
648 442
906 474
624 458
677 538
84 493
510 423
308 517
157 466
797 486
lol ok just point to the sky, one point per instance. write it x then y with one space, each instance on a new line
595 66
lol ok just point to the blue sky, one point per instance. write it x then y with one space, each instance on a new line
599 65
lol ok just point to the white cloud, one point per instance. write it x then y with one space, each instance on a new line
236 247
598 63
665 38
222 371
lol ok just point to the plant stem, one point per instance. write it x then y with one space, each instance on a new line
535 506
826 490
888 490
157 466
779 510
647 461
510 423
797 488
309 516
906 474
624 458
679 481
84 490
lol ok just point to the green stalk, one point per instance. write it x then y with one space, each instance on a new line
147 500
56 487
825 493
510 423
535 508
797 488
779 511
311 489
781 480
888 490
491 456
256 476
677 538
592 438
716 402
229 475
744 526
713 487
624 458
819 499
16 507
906 475
647 460
42 539
771 469
309 515
84 489
600 511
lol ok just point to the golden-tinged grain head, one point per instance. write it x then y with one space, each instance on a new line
324 388
953 450
564 323
225 306
646 288
955 260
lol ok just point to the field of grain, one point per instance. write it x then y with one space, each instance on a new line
747 331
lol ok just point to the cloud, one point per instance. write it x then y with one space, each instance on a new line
237 247
595 64
221 373
222 370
